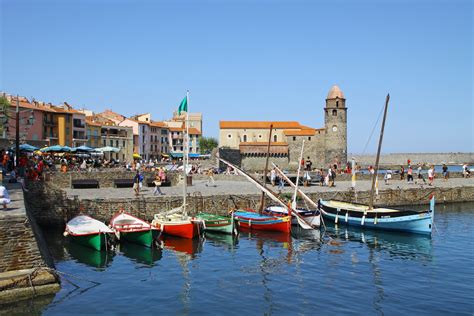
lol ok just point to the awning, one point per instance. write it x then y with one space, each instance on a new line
165 155
176 155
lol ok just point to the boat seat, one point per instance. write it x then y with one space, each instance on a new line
85 184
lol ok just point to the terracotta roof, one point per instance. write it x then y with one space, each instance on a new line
158 124
176 129
192 130
92 123
258 125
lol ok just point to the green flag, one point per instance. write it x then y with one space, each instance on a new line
183 107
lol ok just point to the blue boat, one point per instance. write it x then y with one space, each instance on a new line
344 213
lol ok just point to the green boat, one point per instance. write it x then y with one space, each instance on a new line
132 229
89 232
217 223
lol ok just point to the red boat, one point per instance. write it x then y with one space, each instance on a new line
255 221
178 225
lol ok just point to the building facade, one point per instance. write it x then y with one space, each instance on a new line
323 146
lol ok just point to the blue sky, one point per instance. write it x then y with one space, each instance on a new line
253 60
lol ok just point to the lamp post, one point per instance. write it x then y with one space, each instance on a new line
17 134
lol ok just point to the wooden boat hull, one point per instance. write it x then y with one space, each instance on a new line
255 221
405 221
187 230
312 217
216 223
144 237
93 241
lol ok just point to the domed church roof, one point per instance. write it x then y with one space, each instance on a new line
335 92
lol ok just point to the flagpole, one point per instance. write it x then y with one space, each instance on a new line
185 153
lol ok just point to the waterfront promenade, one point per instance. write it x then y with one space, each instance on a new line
229 187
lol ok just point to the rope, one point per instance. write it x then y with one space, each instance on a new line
373 130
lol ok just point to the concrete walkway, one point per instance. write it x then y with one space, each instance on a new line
242 188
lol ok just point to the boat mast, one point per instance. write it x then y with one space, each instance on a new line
371 201
262 199
293 204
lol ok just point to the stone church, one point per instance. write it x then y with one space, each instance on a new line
245 142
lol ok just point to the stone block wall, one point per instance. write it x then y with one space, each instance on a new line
58 209
401 158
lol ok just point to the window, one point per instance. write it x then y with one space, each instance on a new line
151 138
309 137
245 138
229 135
334 112
294 138
105 142
111 143
116 143
275 138
260 136
123 143
337 104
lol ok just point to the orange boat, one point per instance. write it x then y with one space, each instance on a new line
255 221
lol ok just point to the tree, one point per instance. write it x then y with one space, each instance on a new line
4 107
207 144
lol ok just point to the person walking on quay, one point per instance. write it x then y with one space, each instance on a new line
4 197
445 173
137 183
273 177
402 173
419 175
309 164
431 175
210 174
466 173
281 184
410 174
158 182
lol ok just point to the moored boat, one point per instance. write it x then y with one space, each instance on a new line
217 223
88 232
345 213
177 224
255 221
312 217
132 229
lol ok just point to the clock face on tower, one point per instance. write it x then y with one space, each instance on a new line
334 128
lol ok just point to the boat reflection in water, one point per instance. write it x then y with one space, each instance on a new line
147 256
88 256
398 244
189 247
226 241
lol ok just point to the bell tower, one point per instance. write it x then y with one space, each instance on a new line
335 122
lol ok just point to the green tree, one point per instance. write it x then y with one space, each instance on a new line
207 144
4 107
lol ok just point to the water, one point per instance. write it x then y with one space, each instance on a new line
345 271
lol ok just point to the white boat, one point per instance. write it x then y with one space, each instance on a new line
312 217
132 229
88 232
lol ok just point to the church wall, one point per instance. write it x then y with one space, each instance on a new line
258 163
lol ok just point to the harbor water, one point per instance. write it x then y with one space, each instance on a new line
339 271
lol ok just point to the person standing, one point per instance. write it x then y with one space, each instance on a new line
402 173
445 172
210 174
309 164
431 175
419 175
281 183
137 183
410 174
157 183
273 177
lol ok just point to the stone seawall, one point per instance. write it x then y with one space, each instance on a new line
427 158
50 206
24 256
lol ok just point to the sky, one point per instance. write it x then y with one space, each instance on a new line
254 60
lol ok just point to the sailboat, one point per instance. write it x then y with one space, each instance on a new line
252 219
177 222
313 217
346 213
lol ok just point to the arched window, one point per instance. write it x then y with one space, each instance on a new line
337 104
245 138
334 112
275 138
